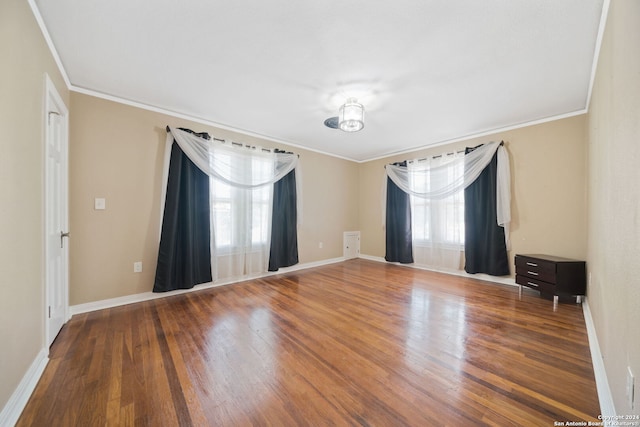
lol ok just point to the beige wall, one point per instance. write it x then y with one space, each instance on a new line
548 205
614 200
117 152
25 59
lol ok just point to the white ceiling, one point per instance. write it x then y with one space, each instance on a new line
427 72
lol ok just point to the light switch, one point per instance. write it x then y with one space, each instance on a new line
100 204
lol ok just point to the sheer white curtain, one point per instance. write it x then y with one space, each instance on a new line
227 163
437 224
241 218
241 186
441 186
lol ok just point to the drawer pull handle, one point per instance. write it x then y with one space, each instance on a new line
533 273
532 264
532 284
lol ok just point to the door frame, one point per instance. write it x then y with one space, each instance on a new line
53 104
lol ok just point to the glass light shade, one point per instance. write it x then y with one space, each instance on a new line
351 117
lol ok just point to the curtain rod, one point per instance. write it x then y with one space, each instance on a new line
445 154
437 156
239 144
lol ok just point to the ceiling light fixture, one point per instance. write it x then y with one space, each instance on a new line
351 116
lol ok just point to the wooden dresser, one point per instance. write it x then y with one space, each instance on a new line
554 277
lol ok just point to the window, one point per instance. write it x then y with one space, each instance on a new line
241 216
440 221
437 221
437 224
238 208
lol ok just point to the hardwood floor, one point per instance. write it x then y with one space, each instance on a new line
354 343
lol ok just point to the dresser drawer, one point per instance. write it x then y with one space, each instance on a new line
536 268
551 275
538 285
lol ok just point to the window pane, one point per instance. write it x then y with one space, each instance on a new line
241 216
222 223
437 221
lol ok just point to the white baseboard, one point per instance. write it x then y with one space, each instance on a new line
146 296
607 406
485 277
18 400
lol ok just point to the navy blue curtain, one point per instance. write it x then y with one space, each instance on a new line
399 247
284 223
184 256
485 249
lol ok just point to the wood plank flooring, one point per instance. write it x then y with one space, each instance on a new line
353 343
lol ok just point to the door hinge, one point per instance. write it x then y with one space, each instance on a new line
49 312
62 236
49 116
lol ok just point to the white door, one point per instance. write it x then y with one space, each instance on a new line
56 212
351 241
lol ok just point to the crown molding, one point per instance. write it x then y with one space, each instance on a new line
596 53
49 41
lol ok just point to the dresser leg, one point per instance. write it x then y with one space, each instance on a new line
578 299
555 302
520 292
